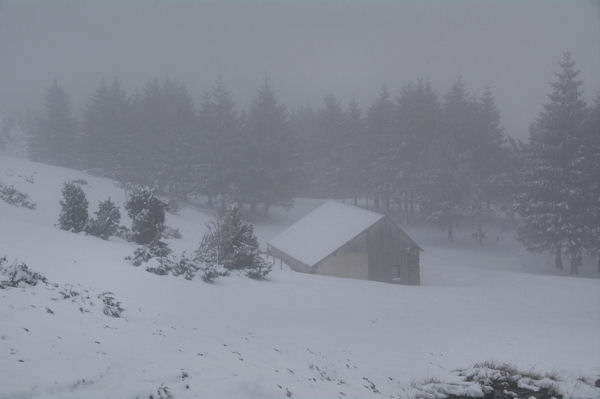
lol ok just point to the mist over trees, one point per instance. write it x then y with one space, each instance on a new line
425 156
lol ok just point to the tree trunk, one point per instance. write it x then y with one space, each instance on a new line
558 258
266 210
575 261
450 227
209 202
376 201
355 200
253 208
480 231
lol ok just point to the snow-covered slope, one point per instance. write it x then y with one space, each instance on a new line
300 335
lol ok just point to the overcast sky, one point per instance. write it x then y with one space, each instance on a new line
307 48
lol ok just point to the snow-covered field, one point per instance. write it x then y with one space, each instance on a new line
294 335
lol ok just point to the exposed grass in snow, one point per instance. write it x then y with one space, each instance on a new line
296 335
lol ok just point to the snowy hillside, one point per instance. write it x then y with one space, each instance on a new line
295 335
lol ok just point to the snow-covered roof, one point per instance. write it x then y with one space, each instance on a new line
324 230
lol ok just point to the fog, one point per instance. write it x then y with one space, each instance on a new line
308 49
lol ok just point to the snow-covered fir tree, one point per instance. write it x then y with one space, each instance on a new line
106 220
107 130
147 212
384 149
552 202
231 243
445 182
268 159
54 138
219 154
74 208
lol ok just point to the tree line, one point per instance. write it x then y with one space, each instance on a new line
439 158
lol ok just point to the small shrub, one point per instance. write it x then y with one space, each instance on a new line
161 265
186 267
112 307
209 272
156 249
18 274
147 212
74 208
12 196
106 222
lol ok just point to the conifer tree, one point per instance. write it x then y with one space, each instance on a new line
219 153
590 166
74 208
418 112
552 202
166 137
445 183
269 170
231 243
54 139
107 131
382 130
354 167
106 221
147 213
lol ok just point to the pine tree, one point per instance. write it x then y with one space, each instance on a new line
219 153
147 213
107 130
328 149
74 208
355 168
54 139
269 169
590 167
106 222
487 155
552 202
231 243
166 137
384 150
418 112
445 184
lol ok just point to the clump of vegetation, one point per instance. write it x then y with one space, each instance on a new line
112 307
12 196
230 242
18 274
74 208
106 222
504 381
147 212
155 249
228 245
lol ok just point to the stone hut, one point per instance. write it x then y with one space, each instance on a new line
346 241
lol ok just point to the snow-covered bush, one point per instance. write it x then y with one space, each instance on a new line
18 274
147 212
106 222
74 208
185 267
161 265
231 243
112 307
156 249
12 196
